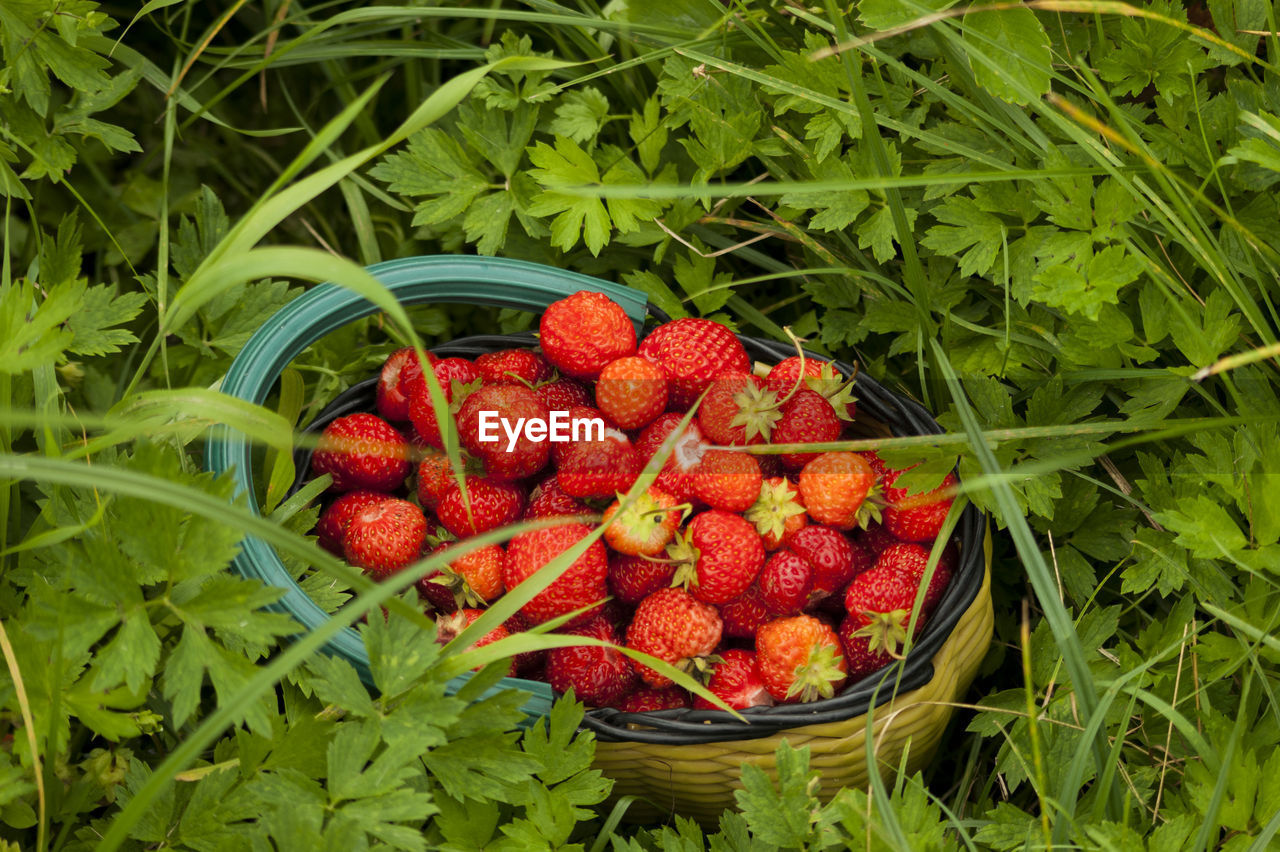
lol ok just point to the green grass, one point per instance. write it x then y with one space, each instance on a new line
1053 224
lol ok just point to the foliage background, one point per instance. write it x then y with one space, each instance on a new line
1053 222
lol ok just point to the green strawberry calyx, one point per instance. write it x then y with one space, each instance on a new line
776 504
817 677
885 631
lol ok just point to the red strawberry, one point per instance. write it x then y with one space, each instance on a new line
917 517
634 578
471 580
632 391
676 475
834 559
720 554
737 682
528 663
563 394
331 528
484 505
436 478
820 377
835 488
599 468
860 657
584 332
598 676
643 528
911 560
362 452
490 417
738 410
581 584
875 537
447 371
807 418
548 500
693 351
580 424
385 537
880 603
449 626
648 699
458 378
777 512
509 365
800 659
393 402
675 627
727 480
785 581
745 614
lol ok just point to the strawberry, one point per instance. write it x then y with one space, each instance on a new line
676 628
563 394
693 351
645 527
449 626
582 424
676 474
875 538
634 578
719 555
917 517
777 512
737 409
435 476
582 333
471 580
911 560
331 528
648 699
835 488
785 581
806 418
727 480
632 391
447 371
526 663
509 365
362 452
880 602
736 681
385 537
581 584
458 378
392 400
599 468
548 500
800 659
860 657
819 376
486 421
484 505
833 557
745 614
598 675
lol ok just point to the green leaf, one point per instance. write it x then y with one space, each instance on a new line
93 326
580 114
780 815
32 330
566 167
965 227
697 277
887 14
1009 52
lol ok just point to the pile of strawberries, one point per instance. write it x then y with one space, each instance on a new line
774 577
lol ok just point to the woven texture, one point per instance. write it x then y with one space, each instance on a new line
698 781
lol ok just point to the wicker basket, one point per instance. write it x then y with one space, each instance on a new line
682 761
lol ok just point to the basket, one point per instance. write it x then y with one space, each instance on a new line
682 761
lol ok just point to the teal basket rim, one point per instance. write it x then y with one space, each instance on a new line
464 279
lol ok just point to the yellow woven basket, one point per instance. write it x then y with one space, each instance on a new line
699 780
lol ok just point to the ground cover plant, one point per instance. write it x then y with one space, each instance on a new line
1054 223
